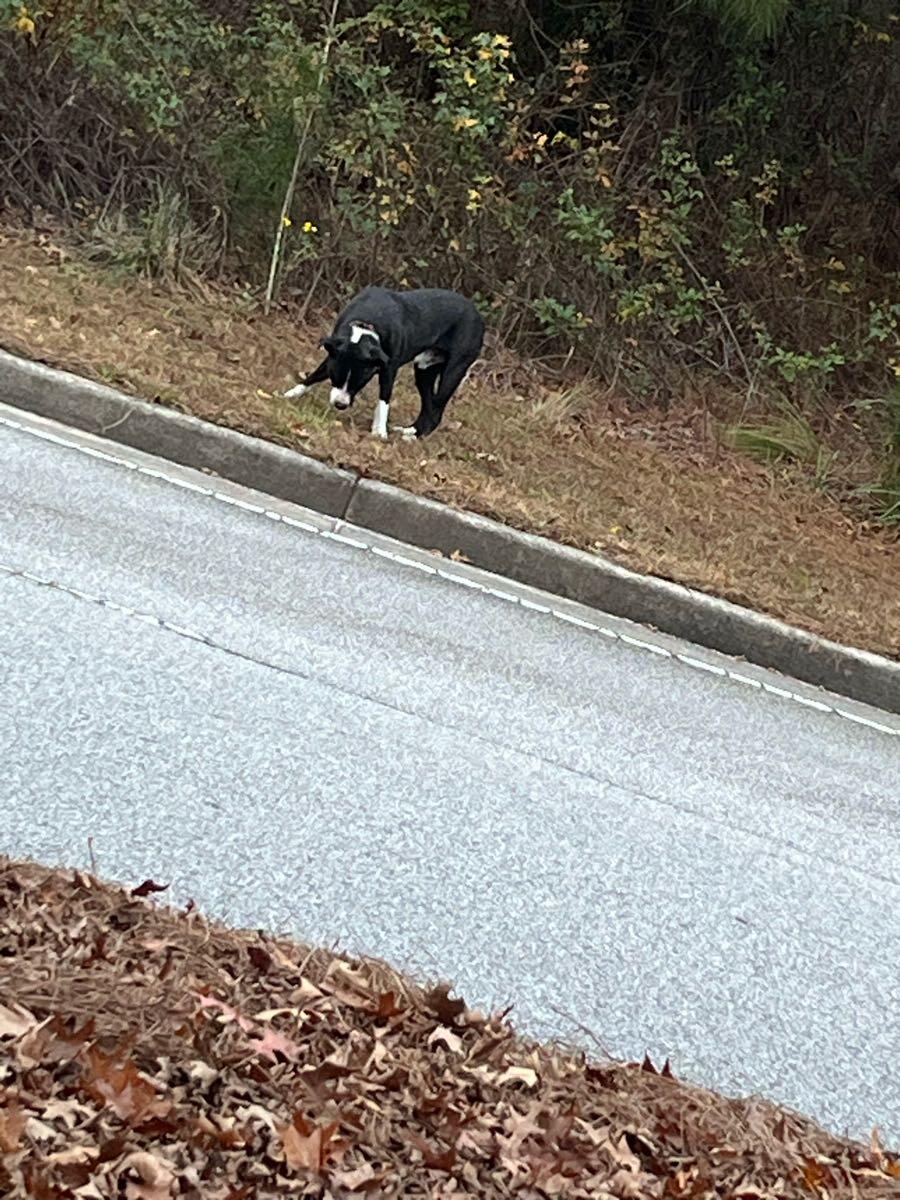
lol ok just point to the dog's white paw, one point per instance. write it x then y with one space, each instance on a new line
381 434
407 432
294 392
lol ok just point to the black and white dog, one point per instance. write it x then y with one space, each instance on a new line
439 332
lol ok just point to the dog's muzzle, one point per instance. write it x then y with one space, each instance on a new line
340 398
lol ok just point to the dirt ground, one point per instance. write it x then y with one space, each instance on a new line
148 1054
654 491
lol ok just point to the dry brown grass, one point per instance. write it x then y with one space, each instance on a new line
149 1054
654 492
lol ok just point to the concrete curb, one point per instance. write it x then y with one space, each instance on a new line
166 433
586 578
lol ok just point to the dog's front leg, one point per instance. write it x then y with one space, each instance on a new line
316 376
383 406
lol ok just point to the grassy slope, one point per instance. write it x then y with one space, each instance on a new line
652 491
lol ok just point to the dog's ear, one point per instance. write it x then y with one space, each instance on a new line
373 352
332 344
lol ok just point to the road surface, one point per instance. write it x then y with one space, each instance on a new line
358 751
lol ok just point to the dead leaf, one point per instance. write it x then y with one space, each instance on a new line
813 1175
38 1187
626 1184
52 1042
227 1010
270 1044
74 1155
362 1179
155 1177
13 1120
260 959
387 1006
148 887
442 1003
435 1160
307 1147
622 1154
876 1144
16 1021
116 1082
445 1037
69 1112
518 1075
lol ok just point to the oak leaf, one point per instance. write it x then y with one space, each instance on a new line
116 1082
309 1147
444 1005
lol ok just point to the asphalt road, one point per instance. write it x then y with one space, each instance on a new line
364 753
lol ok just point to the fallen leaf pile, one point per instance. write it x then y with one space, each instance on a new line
151 1054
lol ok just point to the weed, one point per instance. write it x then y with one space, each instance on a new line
557 408
883 494
291 418
161 241
788 438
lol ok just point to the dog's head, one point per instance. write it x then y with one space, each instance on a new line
351 364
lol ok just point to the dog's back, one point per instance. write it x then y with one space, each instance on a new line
420 319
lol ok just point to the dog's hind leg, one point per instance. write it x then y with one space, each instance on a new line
317 376
452 375
426 377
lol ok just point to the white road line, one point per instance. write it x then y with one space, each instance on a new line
633 641
304 525
572 620
541 608
700 665
402 560
344 540
860 720
748 679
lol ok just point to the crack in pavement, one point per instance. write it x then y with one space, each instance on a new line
401 710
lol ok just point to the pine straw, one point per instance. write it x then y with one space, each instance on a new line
151 1054
653 491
